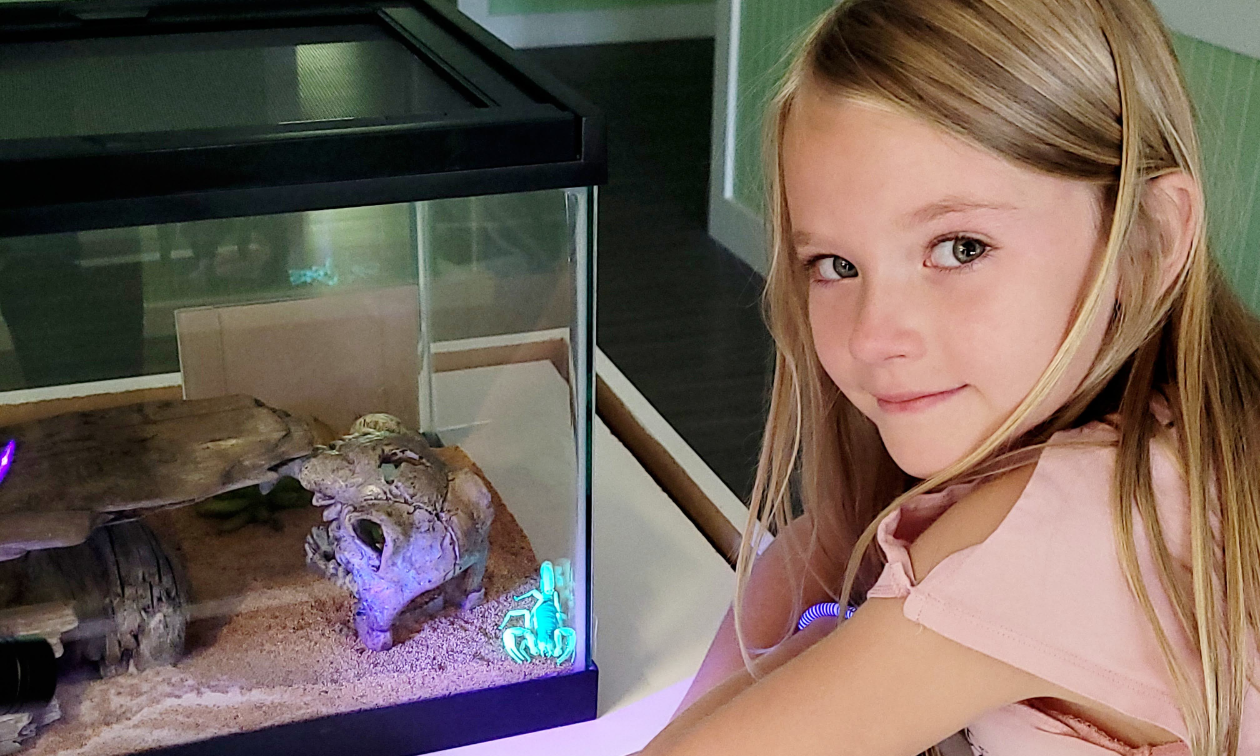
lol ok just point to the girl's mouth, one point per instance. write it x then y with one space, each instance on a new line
912 403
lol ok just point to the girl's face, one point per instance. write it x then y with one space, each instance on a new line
942 279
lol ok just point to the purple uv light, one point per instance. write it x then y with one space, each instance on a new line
6 458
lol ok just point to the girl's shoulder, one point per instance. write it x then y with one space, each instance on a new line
1075 471
1040 584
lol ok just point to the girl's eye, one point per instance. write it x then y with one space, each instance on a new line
957 252
832 268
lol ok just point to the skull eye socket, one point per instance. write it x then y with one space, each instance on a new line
400 457
392 460
370 534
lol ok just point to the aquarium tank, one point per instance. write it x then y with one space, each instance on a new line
296 380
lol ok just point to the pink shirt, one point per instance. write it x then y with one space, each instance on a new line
1045 592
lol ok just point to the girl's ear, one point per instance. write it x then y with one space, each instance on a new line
1175 201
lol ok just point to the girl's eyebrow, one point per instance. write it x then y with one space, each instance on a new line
801 239
949 206
925 214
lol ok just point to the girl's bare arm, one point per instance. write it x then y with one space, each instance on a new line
715 696
770 606
878 685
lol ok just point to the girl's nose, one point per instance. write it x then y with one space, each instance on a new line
884 329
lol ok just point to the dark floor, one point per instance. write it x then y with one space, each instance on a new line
677 313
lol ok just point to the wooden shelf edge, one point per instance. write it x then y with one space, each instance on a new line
703 498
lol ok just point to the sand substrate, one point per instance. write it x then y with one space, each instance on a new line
270 642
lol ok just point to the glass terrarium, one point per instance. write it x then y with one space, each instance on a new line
296 381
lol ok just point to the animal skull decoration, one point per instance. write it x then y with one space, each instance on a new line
400 522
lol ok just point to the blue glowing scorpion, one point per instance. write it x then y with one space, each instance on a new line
544 633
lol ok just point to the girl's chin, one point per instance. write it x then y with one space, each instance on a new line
922 460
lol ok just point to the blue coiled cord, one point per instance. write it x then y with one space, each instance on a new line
825 609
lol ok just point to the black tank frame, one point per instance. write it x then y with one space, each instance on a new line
524 131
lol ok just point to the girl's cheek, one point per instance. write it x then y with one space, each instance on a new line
829 320
1012 336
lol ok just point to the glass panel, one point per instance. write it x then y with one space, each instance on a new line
501 264
390 570
100 305
583 224
503 307
118 85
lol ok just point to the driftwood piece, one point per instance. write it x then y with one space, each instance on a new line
48 621
130 596
122 595
74 472
120 599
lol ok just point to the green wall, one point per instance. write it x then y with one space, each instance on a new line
768 30
517 7
1224 84
1226 89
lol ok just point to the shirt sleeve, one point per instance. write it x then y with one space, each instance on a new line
1045 592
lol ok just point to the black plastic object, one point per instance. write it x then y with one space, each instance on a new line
121 113
28 675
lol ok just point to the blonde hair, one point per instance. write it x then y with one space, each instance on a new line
1085 89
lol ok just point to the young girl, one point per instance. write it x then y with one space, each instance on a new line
1014 395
